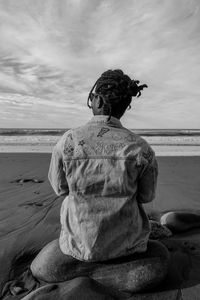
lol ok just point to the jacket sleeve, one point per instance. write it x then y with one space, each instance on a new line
148 178
56 174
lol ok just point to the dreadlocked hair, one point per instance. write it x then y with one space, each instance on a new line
116 90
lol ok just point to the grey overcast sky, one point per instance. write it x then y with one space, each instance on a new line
52 52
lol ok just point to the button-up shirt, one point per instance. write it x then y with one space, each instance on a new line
107 172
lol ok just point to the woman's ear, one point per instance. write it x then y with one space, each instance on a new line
99 101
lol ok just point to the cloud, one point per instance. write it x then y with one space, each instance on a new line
53 51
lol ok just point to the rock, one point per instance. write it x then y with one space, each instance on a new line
180 221
134 273
159 231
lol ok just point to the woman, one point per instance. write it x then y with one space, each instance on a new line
107 173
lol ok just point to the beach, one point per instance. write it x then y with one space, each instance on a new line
29 219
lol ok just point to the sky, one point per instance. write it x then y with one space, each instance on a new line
52 52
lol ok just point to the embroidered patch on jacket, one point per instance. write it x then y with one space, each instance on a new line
148 155
81 143
102 131
70 136
130 138
68 149
101 148
116 137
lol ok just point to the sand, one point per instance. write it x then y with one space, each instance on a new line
29 219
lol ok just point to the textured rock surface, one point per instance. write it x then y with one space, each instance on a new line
180 221
159 231
136 272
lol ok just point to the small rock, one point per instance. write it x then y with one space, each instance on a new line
159 231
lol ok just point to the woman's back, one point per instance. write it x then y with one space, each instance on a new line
103 165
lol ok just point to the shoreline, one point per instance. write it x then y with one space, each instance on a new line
161 150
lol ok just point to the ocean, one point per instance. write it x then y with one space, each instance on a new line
175 142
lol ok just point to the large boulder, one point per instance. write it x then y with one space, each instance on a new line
136 272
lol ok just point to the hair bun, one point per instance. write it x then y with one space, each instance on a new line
135 89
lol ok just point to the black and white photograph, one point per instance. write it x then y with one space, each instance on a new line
99 149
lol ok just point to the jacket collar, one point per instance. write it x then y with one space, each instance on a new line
103 119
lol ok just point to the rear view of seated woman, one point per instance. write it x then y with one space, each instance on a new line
107 173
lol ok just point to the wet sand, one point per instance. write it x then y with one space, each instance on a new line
29 219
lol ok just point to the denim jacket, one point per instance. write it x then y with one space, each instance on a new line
107 172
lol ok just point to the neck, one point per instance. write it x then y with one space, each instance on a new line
102 114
